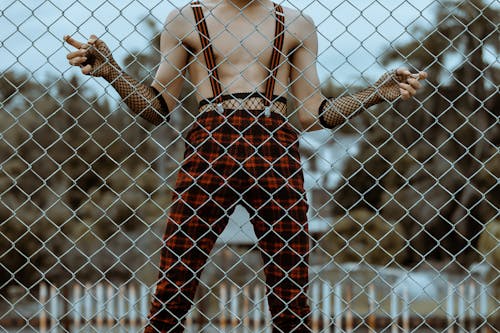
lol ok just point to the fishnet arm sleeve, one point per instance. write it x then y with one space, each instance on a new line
143 100
334 111
146 101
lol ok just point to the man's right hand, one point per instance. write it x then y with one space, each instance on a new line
94 57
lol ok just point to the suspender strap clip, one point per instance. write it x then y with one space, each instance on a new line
267 111
220 109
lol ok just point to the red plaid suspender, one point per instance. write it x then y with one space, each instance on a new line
279 37
208 52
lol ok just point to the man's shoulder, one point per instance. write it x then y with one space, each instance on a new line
297 19
298 22
180 19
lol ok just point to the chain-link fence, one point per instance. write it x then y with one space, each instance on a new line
401 228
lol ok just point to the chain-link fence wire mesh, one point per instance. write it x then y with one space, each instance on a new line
403 198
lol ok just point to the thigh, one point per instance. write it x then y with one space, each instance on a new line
280 223
197 217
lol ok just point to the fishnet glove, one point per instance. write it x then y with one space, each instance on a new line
144 100
334 111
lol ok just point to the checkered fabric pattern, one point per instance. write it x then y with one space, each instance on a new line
238 157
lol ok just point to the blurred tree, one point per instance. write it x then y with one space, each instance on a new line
77 187
362 237
143 64
431 165
83 181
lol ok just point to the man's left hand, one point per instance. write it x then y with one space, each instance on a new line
399 83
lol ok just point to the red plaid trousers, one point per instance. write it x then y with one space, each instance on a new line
239 157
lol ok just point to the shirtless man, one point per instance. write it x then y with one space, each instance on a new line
244 57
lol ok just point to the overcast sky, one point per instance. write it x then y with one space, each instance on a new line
351 33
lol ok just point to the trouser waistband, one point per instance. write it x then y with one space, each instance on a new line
245 101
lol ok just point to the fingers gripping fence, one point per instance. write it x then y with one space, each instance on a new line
241 213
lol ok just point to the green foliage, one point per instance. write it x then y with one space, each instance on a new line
77 180
431 165
362 237
82 185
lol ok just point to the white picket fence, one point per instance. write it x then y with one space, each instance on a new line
100 306
104 306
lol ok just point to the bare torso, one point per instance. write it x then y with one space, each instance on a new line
242 41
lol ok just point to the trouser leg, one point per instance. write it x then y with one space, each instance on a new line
280 223
195 221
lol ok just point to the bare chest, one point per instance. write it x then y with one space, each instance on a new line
240 41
